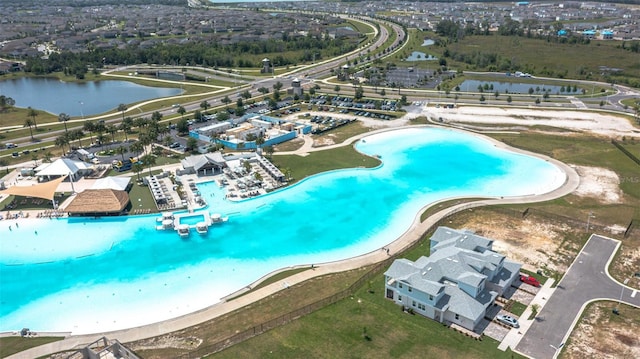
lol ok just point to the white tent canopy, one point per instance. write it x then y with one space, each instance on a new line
63 167
117 183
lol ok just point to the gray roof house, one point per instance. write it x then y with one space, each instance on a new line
457 283
203 165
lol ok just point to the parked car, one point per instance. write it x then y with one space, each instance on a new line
530 280
508 320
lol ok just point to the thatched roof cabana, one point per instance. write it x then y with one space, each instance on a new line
98 202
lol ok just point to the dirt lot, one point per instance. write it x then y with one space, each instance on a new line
602 334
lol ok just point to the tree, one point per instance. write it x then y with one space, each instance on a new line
246 94
531 90
112 130
204 105
268 150
226 100
33 114
62 141
125 127
277 86
157 116
383 92
181 111
90 127
222 116
63 117
137 148
76 135
6 103
192 144
509 99
482 99
137 168
121 150
122 108
263 90
337 89
537 100
28 123
359 93
182 127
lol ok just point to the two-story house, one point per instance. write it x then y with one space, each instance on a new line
457 283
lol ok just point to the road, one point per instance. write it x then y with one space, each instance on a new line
586 280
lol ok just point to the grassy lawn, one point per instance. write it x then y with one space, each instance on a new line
345 132
392 334
12 345
322 161
517 308
141 197
264 310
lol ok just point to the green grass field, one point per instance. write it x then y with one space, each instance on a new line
12 345
537 56
321 161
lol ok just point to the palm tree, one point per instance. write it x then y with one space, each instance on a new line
28 123
122 108
62 141
33 113
63 117
137 147
112 130
77 135
137 168
204 105
181 111
121 150
125 127
90 127
156 116
46 157
102 139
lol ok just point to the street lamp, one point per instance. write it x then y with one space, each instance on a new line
81 113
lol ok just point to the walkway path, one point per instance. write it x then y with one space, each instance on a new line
587 280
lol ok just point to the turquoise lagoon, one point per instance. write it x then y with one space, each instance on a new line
93 275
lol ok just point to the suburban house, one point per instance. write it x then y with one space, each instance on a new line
457 283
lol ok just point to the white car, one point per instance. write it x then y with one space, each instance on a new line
508 320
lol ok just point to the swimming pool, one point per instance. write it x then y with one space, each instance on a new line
86 275
192 220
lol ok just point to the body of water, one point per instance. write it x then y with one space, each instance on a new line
91 275
512 87
420 56
78 98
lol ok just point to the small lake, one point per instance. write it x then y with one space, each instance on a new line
428 42
513 87
78 98
420 56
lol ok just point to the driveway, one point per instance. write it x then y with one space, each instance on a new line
586 280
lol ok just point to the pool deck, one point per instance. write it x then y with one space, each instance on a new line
413 234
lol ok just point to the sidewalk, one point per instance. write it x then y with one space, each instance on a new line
512 339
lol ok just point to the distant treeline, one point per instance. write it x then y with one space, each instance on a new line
213 54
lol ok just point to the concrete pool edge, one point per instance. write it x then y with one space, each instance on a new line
410 236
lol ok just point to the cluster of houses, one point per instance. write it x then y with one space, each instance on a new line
77 28
456 283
